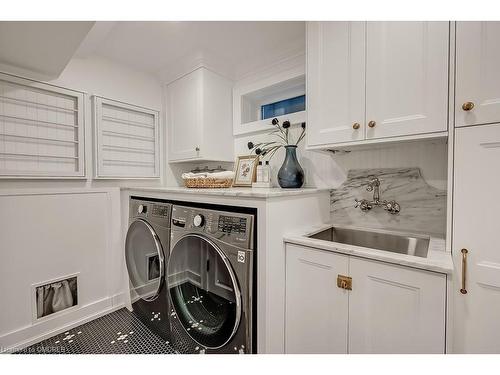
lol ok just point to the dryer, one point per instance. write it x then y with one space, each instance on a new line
210 276
146 254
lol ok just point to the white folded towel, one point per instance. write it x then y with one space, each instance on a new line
193 175
222 175
219 175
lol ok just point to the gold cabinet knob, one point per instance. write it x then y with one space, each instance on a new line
355 126
372 124
468 106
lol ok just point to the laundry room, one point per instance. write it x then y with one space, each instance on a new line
183 181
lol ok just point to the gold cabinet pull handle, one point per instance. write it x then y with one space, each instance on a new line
464 270
355 126
468 106
372 124
344 282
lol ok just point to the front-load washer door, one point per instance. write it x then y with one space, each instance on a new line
204 291
145 260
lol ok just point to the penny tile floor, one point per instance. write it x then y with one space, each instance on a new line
117 333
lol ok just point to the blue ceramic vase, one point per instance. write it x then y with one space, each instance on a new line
291 174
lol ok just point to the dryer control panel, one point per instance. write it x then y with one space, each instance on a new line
233 228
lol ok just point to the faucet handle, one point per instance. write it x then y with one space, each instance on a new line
392 207
369 187
357 203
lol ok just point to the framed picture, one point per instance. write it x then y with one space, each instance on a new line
245 170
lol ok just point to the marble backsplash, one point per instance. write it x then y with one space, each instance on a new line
423 207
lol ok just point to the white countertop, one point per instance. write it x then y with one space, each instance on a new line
232 192
437 260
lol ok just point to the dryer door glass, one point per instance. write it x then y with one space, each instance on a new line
204 291
145 261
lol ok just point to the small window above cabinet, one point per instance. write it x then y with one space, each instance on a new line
127 141
281 96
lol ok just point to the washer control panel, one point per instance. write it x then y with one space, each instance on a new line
230 227
160 210
232 224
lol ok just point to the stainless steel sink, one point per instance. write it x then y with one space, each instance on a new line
397 243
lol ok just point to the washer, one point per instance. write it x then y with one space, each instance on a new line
211 281
146 247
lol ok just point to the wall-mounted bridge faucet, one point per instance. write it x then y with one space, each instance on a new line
392 207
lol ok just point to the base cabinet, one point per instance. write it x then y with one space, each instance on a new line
395 309
390 309
314 304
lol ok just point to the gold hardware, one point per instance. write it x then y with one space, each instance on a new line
355 126
464 270
344 282
372 124
467 106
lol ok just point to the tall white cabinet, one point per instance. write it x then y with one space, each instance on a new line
376 81
475 229
477 73
199 117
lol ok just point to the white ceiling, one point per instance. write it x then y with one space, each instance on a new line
39 49
169 49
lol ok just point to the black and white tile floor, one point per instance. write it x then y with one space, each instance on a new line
117 333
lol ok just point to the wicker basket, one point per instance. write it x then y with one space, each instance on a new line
207 182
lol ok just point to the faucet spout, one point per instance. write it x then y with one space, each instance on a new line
374 185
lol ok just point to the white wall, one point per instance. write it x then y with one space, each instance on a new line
53 228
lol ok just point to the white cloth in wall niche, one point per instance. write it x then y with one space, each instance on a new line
55 297
423 207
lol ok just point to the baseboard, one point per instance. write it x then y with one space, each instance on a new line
37 332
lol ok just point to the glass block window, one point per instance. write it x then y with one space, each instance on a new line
283 107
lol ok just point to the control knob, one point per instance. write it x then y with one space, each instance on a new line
198 220
142 209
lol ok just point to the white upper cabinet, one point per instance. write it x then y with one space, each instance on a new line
477 87
406 78
397 89
335 82
199 117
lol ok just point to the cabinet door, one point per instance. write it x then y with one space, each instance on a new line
394 309
184 111
477 73
316 309
335 82
475 227
406 78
